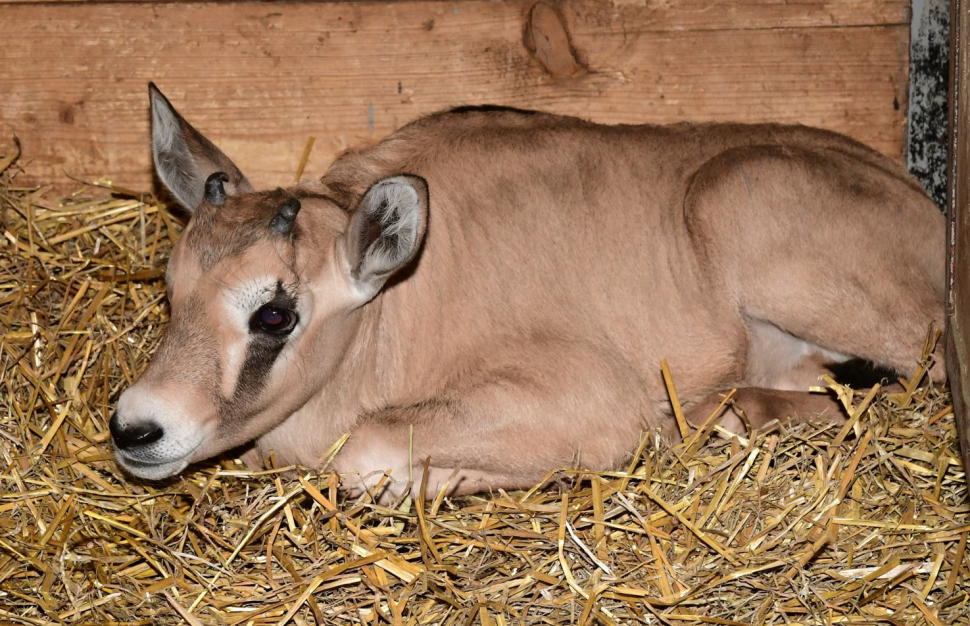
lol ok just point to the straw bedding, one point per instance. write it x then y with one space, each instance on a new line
816 524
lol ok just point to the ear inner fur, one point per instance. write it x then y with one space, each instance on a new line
387 228
184 158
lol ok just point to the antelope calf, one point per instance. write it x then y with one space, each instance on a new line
503 284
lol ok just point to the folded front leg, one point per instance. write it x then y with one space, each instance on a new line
534 409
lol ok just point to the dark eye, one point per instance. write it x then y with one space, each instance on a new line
273 320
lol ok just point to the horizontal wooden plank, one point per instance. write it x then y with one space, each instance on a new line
261 78
665 15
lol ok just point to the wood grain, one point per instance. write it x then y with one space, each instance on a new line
958 232
261 78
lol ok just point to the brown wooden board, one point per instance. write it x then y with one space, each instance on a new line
261 78
958 233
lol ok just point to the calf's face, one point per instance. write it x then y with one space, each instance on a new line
264 289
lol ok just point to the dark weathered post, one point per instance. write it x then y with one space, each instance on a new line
958 231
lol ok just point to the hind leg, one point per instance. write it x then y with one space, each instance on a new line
779 371
859 275
876 306
886 326
834 246
761 407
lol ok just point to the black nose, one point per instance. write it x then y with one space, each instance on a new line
138 434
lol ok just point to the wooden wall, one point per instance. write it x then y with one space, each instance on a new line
958 233
260 78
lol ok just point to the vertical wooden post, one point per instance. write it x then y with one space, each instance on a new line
958 230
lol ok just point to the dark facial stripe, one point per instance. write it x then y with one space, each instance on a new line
237 409
261 353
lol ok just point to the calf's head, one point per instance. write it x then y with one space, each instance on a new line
265 291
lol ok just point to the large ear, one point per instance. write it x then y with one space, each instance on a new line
386 231
184 158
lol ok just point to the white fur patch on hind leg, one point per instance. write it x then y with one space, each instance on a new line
779 360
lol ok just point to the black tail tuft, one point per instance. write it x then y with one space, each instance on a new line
861 374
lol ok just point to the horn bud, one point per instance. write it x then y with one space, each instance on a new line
282 222
215 190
